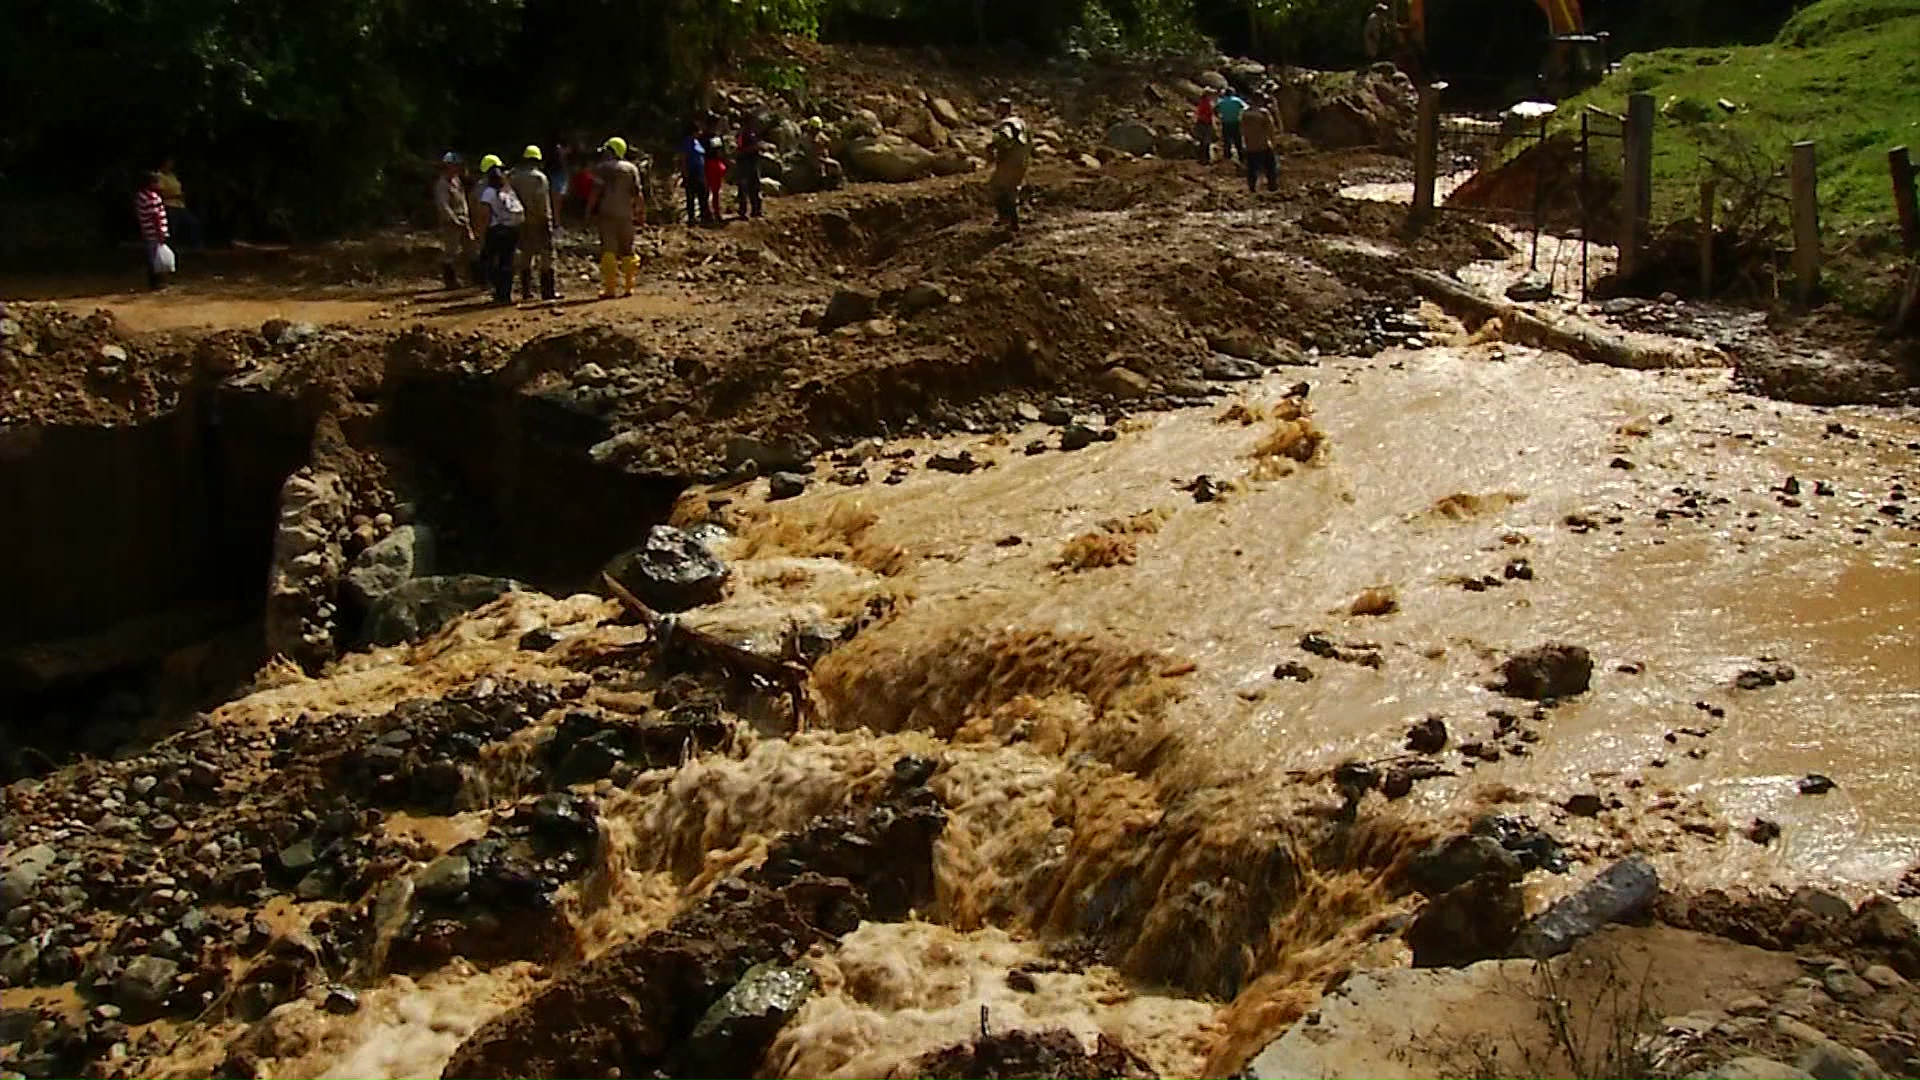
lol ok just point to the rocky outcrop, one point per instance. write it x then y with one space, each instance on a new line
888 158
307 563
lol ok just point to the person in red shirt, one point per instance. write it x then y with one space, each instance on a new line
1203 126
716 177
150 208
580 191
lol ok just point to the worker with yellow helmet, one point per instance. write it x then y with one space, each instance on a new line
613 208
477 213
535 253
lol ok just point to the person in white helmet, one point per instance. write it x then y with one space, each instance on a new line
535 253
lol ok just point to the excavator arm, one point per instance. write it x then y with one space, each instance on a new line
1563 17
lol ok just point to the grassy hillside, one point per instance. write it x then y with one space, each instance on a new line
1845 73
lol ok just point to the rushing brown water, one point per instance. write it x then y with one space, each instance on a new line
1122 765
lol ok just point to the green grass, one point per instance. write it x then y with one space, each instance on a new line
1849 80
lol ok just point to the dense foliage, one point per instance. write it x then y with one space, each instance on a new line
296 118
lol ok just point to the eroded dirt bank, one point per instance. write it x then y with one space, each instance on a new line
1166 590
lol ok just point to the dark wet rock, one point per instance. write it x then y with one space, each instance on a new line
1474 921
1319 644
298 858
1585 804
673 571
1535 848
1547 672
1077 436
1427 736
1816 784
1046 1054
1531 288
341 1001
961 463
734 1034
1294 670
539 639
785 485
1456 860
1517 570
1203 488
848 306
445 877
1622 891
422 606
19 963
1762 831
1760 678
143 986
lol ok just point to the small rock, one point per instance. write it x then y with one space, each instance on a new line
341 1001
1883 977
143 986
672 572
846 307
1828 1060
734 1034
298 858
1816 784
1762 831
1531 288
445 877
960 463
785 485
1845 986
1547 672
1222 368
1294 670
1749 1005
1820 903
1583 805
1428 736
1450 863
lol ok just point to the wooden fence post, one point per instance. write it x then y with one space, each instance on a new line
1426 152
1900 164
1636 190
1806 222
1706 237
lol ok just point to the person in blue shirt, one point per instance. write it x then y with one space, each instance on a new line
1229 108
693 170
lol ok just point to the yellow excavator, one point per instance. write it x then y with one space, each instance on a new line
1571 60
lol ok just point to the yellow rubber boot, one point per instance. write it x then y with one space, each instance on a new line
631 264
609 274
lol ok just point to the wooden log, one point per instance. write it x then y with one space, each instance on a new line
1905 203
1589 343
730 658
1806 222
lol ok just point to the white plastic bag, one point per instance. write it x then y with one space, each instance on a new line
164 261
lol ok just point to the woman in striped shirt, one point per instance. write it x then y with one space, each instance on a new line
150 207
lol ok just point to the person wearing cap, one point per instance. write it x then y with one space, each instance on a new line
535 253
616 195
450 212
504 214
1012 152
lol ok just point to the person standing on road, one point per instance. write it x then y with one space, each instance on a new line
1257 135
1203 126
616 195
1376 36
535 255
693 173
505 214
477 213
747 169
150 209
450 214
1012 152
716 178
1229 108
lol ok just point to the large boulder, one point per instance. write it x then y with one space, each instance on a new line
924 128
422 606
1133 137
944 112
1621 891
404 554
844 308
672 571
953 162
307 561
888 158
